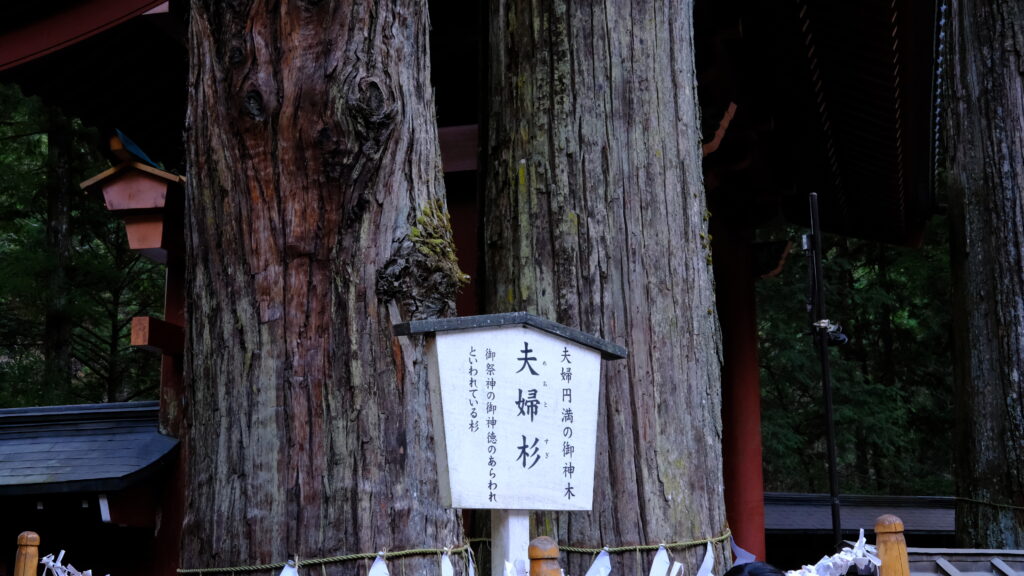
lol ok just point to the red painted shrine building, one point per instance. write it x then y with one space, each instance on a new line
797 96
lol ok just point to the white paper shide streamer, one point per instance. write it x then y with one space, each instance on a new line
290 569
446 566
53 567
838 564
664 566
379 567
602 565
742 556
708 563
661 563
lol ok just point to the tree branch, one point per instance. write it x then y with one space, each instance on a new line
21 135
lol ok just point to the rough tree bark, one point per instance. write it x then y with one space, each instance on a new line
986 169
595 217
315 219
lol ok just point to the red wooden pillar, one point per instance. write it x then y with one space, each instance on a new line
172 387
741 387
151 203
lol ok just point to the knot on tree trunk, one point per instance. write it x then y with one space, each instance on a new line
355 136
253 102
423 273
373 110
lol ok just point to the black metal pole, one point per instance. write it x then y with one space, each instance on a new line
820 329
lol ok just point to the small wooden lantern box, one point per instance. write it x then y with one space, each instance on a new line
515 401
149 200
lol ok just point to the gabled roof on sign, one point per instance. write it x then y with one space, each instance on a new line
608 350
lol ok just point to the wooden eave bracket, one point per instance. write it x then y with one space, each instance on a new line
158 336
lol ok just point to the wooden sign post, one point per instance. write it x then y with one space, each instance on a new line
517 425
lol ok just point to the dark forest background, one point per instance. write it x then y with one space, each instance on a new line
892 381
69 285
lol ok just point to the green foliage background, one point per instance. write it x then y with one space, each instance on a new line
107 283
892 383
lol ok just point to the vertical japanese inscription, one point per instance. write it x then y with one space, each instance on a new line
568 449
529 406
492 424
532 408
474 414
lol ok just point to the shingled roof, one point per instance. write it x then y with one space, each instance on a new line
98 447
812 513
965 562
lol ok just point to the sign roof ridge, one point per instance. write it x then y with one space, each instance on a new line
608 350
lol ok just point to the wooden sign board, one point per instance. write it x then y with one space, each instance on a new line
518 418
515 402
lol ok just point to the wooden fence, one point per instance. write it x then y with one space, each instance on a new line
26 563
892 546
543 552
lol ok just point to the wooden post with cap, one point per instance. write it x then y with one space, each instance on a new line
892 546
27 560
544 557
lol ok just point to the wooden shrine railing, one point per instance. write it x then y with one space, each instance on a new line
892 546
543 551
889 540
26 563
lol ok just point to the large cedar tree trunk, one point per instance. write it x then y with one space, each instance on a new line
312 153
595 218
986 124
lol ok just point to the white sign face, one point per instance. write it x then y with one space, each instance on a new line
519 419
